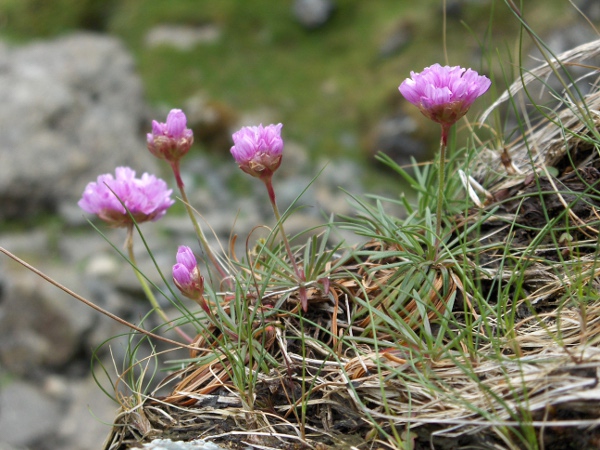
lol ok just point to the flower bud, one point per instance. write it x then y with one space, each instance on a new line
186 274
170 140
258 150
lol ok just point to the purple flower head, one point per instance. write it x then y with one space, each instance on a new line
147 198
186 274
170 140
444 94
258 150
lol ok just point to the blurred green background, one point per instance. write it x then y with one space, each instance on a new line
330 86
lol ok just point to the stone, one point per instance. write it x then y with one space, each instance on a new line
212 122
394 135
590 8
397 40
40 326
167 444
182 37
70 110
28 414
86 422
545 90
313 13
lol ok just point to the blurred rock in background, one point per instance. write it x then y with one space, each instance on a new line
313 13
70 109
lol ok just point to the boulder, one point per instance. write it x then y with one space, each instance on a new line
70 109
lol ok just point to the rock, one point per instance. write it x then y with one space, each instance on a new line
394 136
212 122
28 414
545 90
182 37
399 38
313 13
563 39
167 444
40 327
455 9
591 9
85 423
70 110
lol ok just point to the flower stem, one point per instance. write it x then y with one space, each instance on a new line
149 295
442 182
299 274
199 233
271 191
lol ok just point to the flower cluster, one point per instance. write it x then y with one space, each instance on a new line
146 198
258 150
444 94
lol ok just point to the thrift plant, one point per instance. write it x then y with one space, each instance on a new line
444 95
412 327
258 152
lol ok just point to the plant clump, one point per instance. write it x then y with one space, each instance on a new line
471 322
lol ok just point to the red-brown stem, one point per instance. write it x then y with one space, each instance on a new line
299 274
199 233
177 173
442 181
269 184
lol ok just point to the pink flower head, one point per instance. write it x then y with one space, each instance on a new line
170 140
147 198
186 274
444 94
258 150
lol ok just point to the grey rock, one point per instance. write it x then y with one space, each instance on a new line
26 414
212 122
455 9
40 327
590 8
397 40
70 109
313 13
182 37
545 91
394 135
84 424
167 444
